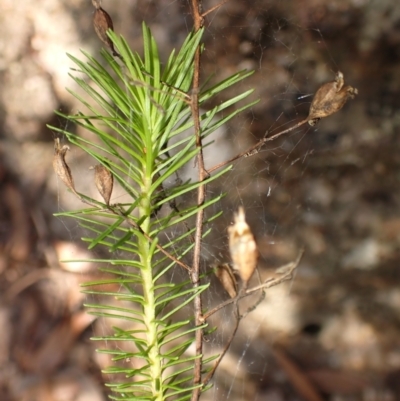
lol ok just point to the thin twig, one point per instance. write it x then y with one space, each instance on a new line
198 18
201 195
173 206
214 8
159 247
239 317
224 351
253 307
114 210
262 296
254 149
181 95
272 282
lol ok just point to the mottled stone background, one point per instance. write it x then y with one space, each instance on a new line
332 189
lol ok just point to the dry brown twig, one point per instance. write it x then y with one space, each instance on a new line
268 284
201 196
244 254
212 9
287 274
328 99
211 373
158 246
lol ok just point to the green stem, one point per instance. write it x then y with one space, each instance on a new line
149 309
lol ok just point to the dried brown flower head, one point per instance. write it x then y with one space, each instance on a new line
225 276
102 22
330 98
60 165
96 3
242 247
104 181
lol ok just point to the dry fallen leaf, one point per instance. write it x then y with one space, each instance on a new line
330 98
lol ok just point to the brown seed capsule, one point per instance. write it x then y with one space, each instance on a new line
330 98
96 3
102 22
242 247
61 167
104 181
225 276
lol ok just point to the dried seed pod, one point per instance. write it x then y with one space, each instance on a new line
61 167
242 247
225 276
96 3
330 98
102 22
104 181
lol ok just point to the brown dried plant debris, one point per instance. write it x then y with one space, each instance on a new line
102 22
243 248
61 167
19 241
330 98
104 181
225 276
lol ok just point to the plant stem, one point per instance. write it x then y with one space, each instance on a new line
149 308
201 195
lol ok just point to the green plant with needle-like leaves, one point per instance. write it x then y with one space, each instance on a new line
138 105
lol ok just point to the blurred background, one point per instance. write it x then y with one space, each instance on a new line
333 332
